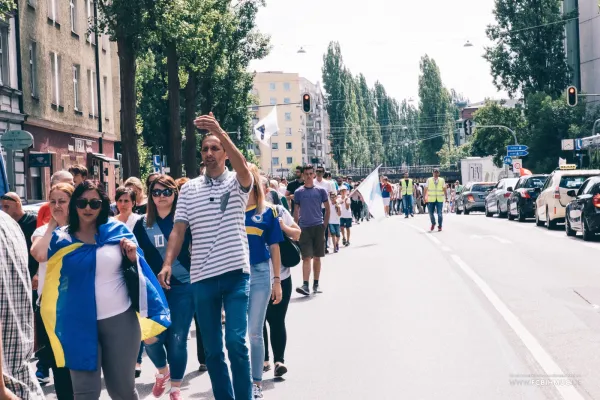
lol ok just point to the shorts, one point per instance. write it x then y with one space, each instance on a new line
386 201
312 241
334 229
346 222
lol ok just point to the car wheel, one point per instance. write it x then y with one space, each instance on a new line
549 223
537 219
587 235
458 210
467 212
487 213
568 230
520 215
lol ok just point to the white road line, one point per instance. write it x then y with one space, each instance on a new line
428 235
446 248
541 356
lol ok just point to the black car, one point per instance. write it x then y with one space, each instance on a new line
521 203
472 197
583 213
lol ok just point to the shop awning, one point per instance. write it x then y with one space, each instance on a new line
106 158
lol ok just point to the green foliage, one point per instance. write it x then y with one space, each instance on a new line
7 6
528 55
452 155
145 159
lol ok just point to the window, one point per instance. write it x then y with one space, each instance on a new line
105 42
286 100
288 131
4 70
275 146
79 146
288 116
73 15
33 68
56 78
32 3
275 161
90 17
288 145
289 160
286 86
53 11
272 86
104 97
273 101
76 92
92 92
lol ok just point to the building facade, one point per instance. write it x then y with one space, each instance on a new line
301 138
60 93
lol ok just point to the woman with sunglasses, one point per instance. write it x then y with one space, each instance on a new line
168 351
86 306
264 235
59 198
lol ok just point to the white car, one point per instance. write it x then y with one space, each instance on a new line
551 203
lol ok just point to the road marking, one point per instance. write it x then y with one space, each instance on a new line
428 234
537 351
446 248
499 239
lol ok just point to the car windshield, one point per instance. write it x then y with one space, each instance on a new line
572 181
536 182
482 187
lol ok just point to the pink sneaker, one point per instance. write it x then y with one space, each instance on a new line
162 385
175 395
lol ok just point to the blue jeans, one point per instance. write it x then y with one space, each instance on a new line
260 294
439 205
172 343
407 201
231 290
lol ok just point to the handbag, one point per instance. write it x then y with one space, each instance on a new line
290 252
132 281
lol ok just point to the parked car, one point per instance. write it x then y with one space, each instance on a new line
472 197
552 202
582 214
497 201
521 203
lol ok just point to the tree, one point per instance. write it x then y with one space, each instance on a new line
435 118
368 119
7 6
528 55
129 22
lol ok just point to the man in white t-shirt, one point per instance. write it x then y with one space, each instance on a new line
329 187
346 217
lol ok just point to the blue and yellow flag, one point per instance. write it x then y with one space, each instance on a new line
68 305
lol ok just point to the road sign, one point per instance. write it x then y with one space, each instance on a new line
517 165
578 144
156 161
517 153
567 144
37 160
16 140
517 147
508 160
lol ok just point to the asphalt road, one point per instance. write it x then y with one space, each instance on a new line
487 309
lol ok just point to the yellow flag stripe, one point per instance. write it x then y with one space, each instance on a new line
252 230
50 299
150 328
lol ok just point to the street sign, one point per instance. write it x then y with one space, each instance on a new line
283 170
517 166
156 161
517 153
16 140
578 144
517 147
567 144
40 160
508 160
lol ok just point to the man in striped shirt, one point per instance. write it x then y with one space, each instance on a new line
213 206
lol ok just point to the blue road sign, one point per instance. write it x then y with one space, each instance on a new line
517 153
156 161
578 144
516 147
507 160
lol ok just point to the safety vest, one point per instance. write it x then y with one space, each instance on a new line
435 193
407 189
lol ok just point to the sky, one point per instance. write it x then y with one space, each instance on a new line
384 40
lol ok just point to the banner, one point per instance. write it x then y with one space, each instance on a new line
371 193
266 127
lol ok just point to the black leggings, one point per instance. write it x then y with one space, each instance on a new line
276 319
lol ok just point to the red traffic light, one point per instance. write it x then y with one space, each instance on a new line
306 106
572 96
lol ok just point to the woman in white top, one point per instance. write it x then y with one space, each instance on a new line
125 199
59 198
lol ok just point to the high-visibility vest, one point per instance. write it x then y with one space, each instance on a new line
435 192
407 189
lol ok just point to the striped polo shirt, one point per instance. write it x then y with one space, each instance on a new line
215 210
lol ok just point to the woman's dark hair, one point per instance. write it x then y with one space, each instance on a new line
79 191
122 190
149 180
167 182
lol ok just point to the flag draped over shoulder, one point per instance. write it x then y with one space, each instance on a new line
68 305
371 193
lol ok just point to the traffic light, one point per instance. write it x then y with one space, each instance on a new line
572 96
306 106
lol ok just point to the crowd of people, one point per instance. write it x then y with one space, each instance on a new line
216 251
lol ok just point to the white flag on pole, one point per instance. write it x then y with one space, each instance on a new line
371 193
267 127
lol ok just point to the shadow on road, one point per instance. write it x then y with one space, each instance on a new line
303 299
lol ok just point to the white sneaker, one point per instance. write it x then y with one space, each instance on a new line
257 392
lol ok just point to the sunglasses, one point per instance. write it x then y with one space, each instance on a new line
320 172
164 192
94 204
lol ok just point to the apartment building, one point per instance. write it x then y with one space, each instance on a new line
301 137
67 117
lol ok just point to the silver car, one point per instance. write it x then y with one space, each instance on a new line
497 201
